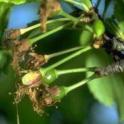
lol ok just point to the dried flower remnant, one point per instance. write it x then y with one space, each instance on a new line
44 97
87 17
48 9
24 57
19 48
98 43
12 34
33 93
53 95
20 93
32 61
40 95
32 87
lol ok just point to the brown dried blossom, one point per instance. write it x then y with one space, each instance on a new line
32 61
12 34
41 96
19 48
24 57
47 9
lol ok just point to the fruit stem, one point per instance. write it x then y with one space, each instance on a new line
79 84
72 18
56 54
73 55
34 40
77 70
25 30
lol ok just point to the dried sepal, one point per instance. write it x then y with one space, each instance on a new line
48 8
98 43
19 48
88 17
41 96
32 61
20 93
12 34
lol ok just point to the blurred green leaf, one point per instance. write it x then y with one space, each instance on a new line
4 10
119 7
87 3
107 90
13 1
17 1
115 27
101 88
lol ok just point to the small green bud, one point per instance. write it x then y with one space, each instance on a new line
32 79
50 76
85 38
98 28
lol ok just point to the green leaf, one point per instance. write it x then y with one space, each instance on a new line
118 11
118 92
17 1
82 4
87 3
107 90
4 10
101 88
13 1
116 28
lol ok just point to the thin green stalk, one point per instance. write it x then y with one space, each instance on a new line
17 114
77 53
77 70
50 76
72 18
79 84
62 52
34 40
25 30
68 17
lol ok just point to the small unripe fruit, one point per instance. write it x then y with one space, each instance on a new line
60 94
50 76
55 95
85 38
32 79
98 28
